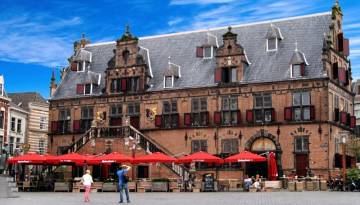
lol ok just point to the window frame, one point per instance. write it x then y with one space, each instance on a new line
2 119
172 81
201 145
41 146
305 144
301 107
90 88
211 52
233 143
13 124
19 126
42 123
227 108
227 75
267 45
86 119
199 115
292 70
264 110
135 107
170 117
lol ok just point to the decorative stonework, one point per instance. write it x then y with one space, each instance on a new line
262 134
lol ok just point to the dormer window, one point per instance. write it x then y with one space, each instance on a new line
272 44
272 38
229 75
168 81
298 70
208 52
84 89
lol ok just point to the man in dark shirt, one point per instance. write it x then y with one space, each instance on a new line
123 180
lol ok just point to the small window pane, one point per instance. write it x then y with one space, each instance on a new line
258 115
267 115
225 105
233 75
306 98
306 111
226 118
233 105
174 106
166 107
234 117
88 89
207 52
296 99
203 104
267 100
296 71
168 82
297 114
195 105
272 44
258 101
298 144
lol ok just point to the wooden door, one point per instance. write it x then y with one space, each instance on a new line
302 163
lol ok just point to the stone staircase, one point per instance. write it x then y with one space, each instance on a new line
144 141
8 188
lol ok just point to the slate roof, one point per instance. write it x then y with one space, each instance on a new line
23 99
308 31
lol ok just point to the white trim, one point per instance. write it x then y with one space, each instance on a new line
306 63
246 58
211 52
172 81
148 56
91 88
219 28
267 45
177 66
216 39
99 81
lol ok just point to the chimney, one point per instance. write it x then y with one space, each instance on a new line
53 85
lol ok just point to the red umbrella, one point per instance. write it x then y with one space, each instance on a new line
245 157
72 158
272 167
29 158
113 157
200 157
156 157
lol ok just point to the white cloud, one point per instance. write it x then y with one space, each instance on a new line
175 21
37 39
186 2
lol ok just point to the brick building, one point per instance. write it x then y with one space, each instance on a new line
280 86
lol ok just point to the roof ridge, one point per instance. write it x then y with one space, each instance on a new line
219 28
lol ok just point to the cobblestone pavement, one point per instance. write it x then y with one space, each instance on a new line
227 198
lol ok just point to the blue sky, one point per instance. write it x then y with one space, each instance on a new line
37 36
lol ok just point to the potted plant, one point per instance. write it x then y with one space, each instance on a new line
160 184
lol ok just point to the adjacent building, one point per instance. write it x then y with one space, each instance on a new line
4 112
17 129
277 86
37 109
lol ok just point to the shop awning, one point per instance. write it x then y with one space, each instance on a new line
71 158
29 158
113 157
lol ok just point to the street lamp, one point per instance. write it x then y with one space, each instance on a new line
343 161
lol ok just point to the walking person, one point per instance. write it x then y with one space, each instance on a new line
87 181
123 182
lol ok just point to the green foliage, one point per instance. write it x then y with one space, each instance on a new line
353 174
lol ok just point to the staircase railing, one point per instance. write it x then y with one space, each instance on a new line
144 142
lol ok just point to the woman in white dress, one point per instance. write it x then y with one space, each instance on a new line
87 181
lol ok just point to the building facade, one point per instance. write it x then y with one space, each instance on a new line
280 86
17 127
4 110
38 110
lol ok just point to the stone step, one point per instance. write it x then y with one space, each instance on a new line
12 184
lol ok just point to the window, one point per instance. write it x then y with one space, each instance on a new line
208 52
18 130
229 75
301 144
118 85
168 81
115 115
198 145
115 86
41 146
301 106
263 111
1 90
230 146
296 71
336 101
337 144
2 116
11 145
272 44
81 66
199 114
88 89
64 121
229 110
12 124
87 115
132 84
18 141
1 144
133 109
170 115
42 123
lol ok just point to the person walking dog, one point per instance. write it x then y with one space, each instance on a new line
87 181
123 182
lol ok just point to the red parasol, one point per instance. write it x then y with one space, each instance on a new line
71 158
200 157
113 157
156 157
29 158
245 157
272 167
